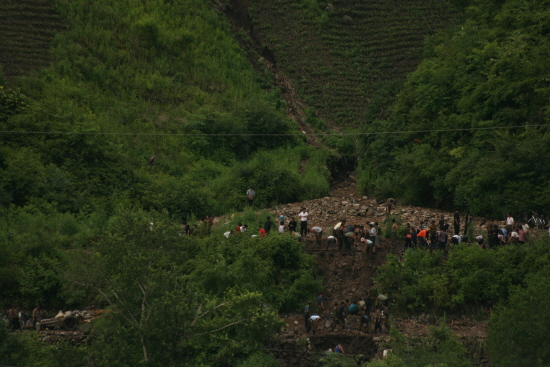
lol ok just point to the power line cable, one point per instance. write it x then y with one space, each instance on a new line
275 134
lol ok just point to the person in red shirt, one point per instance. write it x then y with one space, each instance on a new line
422 237
262 231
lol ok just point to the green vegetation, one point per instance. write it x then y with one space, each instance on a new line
173 299
464 281
488 74
89 219
339 54
129 80
517 333
439 348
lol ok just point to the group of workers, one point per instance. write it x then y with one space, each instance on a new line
368 308
18 320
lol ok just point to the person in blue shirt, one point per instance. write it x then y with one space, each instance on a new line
339 349
353 309
320 302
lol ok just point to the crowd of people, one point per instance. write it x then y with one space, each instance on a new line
19 320
369 309
427 234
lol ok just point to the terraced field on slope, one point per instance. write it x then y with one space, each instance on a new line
27 28
339 53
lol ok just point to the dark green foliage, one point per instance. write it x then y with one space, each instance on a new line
466 280
440 348
489 73
211 300
129 81
518 328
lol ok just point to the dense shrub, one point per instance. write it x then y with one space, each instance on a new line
467 279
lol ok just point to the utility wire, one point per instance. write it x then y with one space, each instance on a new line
259 134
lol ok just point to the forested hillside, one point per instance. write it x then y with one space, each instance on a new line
340 53
122 122
473 117
130 118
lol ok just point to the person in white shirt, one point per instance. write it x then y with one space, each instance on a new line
250 196
318 232
281 226
314 321
331 242
456 239
509 223
303 221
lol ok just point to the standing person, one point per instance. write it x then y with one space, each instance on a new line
372 233
35 315
408 236
509 223
303 221
442 223
388 206
442 239
250 194
208 223
185 228
348 236
336 317
267 225
394 228
318 232
307 314
521 235
13 318
377 320
456 221
467 221
413 237
281 229
378 234
422 237
369 302
339 315
292 225
320 302
341 236
433 234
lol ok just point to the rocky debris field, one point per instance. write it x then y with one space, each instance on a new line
349 274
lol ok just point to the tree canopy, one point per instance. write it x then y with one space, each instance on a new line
485 85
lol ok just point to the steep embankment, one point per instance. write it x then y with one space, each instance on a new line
339 53
349 274
27 29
